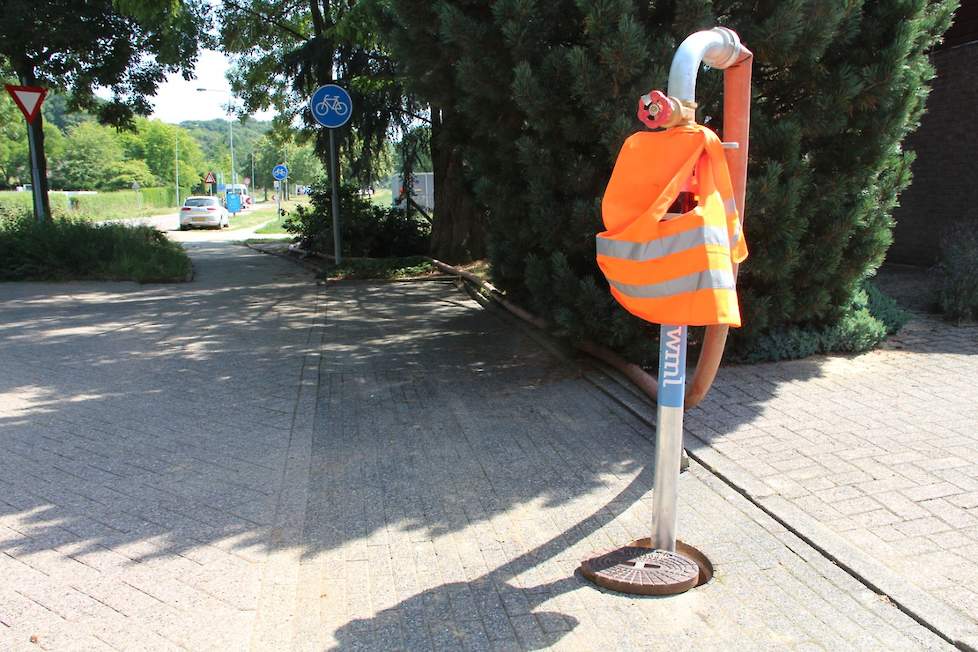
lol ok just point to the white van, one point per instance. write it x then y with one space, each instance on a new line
240 189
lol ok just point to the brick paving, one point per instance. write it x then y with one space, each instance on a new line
252 461
141 445
881 448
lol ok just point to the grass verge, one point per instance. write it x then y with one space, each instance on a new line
71 250
385 269
382 197
264 212
274 228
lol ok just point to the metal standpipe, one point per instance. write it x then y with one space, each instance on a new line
669 436
660 564
718 48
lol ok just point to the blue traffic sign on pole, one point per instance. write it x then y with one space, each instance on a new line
331 106
279 172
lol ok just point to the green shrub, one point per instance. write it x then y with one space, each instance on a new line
866 321
121 203
884 308
368 230
959 268
381 268
63 249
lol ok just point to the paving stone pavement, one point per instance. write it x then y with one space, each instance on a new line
143 433
880 448
252 461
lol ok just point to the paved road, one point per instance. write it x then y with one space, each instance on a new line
252 461
170 222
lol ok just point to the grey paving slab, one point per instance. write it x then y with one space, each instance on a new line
252 461
877 451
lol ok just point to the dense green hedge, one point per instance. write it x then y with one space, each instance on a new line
99 206
64 249
546 94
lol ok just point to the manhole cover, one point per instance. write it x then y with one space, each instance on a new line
642 571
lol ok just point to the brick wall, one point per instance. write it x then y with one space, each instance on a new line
945 186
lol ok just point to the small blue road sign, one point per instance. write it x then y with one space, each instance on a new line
280 172
232 202
331 106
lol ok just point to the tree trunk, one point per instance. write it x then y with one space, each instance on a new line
457 232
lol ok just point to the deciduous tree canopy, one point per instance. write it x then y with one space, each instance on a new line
127 46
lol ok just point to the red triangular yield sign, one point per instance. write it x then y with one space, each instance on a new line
210 178
28 99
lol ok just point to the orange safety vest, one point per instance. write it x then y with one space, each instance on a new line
672 268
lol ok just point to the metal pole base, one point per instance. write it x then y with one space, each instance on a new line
617 578
642 571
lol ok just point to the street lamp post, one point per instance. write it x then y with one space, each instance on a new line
234 174
176 165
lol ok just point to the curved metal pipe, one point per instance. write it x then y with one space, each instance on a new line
718 48
736 128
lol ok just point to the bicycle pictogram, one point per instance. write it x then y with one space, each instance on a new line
332 103
331 106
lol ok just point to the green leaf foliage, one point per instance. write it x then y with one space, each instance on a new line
284 51
368 230
126 46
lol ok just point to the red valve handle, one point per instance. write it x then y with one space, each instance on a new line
654 109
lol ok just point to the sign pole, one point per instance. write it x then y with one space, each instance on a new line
29 99
331 106
176 168
281 174
334 181
35 175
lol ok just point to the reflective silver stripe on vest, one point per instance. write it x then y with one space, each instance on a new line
714 279
730 205
661 247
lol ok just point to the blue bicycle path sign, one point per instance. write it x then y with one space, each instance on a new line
331 106
279 172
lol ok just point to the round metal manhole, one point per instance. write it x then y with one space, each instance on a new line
642 571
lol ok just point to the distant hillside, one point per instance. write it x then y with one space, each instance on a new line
212 135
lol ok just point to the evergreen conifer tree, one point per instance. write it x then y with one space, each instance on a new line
547 91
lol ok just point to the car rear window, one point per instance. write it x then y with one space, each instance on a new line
201 202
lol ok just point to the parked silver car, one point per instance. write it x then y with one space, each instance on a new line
204 211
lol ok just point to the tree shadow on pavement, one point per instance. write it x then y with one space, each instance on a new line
146 427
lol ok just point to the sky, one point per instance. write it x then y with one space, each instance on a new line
178 100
